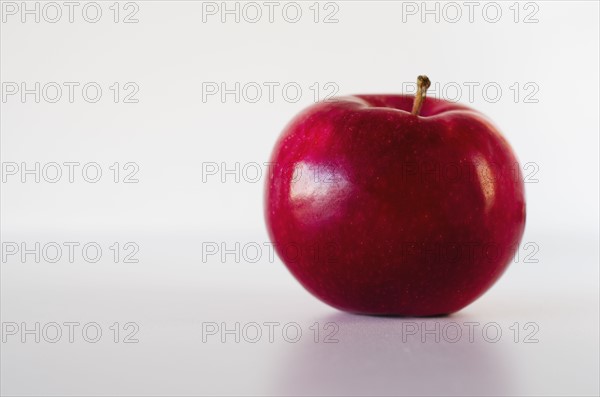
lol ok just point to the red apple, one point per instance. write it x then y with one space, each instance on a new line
377 209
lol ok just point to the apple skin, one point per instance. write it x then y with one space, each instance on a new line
378 211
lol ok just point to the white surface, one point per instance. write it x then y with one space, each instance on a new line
171 296
171 212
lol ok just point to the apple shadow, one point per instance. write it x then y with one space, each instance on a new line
377 356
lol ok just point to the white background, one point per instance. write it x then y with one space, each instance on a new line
172 133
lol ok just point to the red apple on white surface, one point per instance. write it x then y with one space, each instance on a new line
394 204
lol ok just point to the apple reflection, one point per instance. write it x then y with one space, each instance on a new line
371 358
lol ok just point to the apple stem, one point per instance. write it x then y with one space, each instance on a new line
423 84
